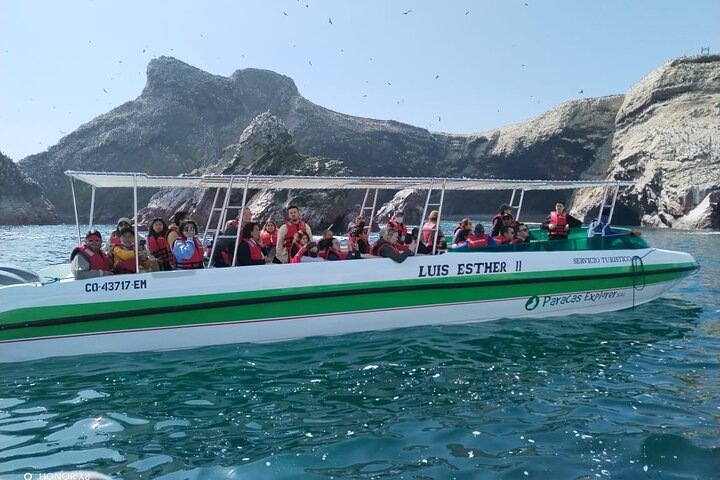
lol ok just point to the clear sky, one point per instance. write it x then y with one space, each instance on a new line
451 66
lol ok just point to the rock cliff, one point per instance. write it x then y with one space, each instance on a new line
662 133
22 201
265 148
667 139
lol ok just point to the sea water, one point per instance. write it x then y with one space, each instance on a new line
623 395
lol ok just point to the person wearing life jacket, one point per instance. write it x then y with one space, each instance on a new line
558 223
497 221
114 237
478 239
249 251
90 260
329 249
268 236
158 246
463 230
174 227
287 232
387 246
428 229
124 253
507 233
396 223
301 239
309 253
358 241
187 248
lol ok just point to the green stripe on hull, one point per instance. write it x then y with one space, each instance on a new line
332 299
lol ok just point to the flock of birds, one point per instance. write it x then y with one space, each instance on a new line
330 22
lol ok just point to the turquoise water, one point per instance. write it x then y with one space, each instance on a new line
623 395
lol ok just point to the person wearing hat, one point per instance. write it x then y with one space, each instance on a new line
89 260
114 239
503 217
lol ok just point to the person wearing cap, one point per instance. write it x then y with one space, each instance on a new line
114 239
503 217
124 254
89 260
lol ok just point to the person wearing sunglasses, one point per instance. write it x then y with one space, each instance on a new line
187 248
89 260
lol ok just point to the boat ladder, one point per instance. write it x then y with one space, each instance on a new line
517 207
433 201
609 196
365 207
220 213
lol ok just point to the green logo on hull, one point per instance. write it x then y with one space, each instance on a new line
532 303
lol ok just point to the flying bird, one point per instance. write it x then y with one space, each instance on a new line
330 21
437 76
405 13
310 63
467 12
284 13
582 91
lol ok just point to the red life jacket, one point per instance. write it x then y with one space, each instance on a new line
478 241
294 249
399 227
196 261
125 266
500 240
374 248
560 221
428 231
268 239
292 229
98 261
387 244
160 249
299 255
325 253
255 250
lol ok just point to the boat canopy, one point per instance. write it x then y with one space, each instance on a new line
435 187
285 182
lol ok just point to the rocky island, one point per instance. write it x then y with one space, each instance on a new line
664 133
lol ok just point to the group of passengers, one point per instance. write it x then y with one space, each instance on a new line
177 247
167 247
